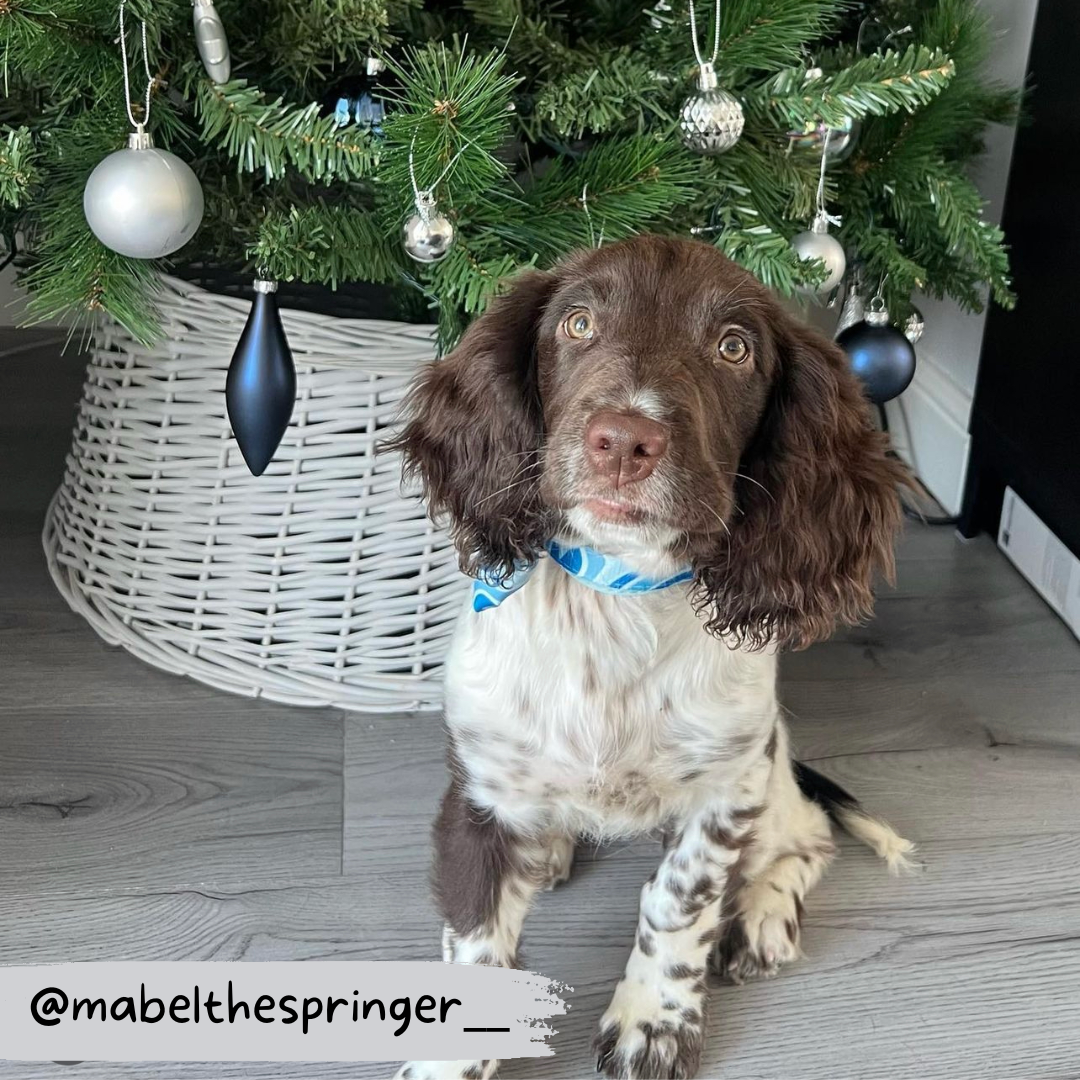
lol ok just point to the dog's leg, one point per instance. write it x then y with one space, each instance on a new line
655 1024
486 877
792 847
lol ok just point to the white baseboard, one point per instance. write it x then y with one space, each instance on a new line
928 423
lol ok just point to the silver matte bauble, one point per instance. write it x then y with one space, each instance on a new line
816 243
711 120
143 202
428 234
914 326
211 41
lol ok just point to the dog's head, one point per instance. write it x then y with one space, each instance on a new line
651 395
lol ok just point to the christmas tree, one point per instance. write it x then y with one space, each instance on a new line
537 127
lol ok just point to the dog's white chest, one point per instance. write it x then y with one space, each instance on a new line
603 713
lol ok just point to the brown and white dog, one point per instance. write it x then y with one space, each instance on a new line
652 400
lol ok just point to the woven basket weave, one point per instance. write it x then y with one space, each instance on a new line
319 583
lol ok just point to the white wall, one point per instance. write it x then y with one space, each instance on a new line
12 298
937 405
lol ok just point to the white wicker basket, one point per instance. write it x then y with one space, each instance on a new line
319 583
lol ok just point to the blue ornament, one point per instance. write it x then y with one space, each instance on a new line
342 111
359 99
260 388
370 114
880 355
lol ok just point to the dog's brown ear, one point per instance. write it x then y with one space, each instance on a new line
475 429
817 506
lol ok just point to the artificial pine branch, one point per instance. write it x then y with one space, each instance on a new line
535 40
620 187
869 86
451 114
762 35
616 92
17 170
39 44
329 244
308 40
272 136
75 274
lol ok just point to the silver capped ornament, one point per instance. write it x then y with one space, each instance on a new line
428 234
853 309
879 354
914 326
711 121
817 243
211 41
141 201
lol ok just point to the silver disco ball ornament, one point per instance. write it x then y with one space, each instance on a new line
914 325
428 233
143 202
711 120
817 243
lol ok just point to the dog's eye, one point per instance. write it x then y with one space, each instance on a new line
733 349
578 324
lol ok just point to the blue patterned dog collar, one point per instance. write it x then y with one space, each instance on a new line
604 573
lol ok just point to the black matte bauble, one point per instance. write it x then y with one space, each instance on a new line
260 388
881 357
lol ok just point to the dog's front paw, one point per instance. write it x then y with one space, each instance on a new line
447 1070
762 937
560 862
653 1031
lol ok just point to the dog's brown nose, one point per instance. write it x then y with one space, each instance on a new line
625 448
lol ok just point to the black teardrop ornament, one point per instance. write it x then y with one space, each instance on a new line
260 389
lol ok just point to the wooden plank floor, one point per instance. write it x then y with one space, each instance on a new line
143 816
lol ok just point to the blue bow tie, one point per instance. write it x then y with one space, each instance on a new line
604 573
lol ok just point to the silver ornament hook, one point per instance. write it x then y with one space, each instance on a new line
877 313
424 198
588 216
823 219
127 80
706 66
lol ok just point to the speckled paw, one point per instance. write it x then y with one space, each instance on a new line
651 1032
760 940
447 1070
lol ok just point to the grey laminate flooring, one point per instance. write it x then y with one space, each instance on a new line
143 815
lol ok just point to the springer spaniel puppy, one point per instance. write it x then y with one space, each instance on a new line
660 479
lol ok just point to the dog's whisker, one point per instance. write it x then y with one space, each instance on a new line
756 483
509 487
716 515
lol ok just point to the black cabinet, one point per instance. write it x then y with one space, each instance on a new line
1025 423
